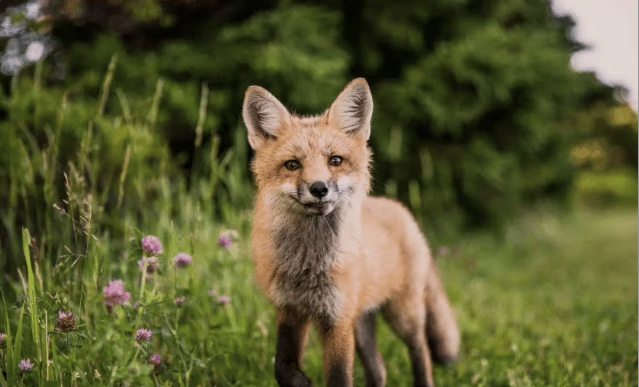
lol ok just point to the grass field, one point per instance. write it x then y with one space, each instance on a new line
554 304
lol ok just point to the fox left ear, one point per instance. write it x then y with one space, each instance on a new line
352 110
263 115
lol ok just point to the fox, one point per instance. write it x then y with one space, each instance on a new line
326 254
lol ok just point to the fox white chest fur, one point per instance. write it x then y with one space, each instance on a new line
306 251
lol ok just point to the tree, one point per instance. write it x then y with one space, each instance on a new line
476 104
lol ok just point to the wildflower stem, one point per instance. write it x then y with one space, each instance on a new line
113 371
155 285
145 264
135 355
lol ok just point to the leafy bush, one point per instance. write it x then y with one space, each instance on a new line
607 189
475 101
66 157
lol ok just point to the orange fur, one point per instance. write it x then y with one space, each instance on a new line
335 259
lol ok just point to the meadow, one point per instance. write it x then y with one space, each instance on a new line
551 301
553 305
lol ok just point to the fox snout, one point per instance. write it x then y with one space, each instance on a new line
319 189
319 197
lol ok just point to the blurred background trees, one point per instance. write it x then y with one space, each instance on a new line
478 113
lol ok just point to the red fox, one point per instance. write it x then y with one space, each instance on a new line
327 253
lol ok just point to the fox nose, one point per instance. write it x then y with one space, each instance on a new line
319 189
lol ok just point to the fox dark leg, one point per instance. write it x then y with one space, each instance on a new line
339 352
291 336
366 345
407 318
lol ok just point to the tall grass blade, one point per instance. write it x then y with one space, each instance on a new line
8 359
124 105
153 114
33 305
17 347
201 115
125 167
106 85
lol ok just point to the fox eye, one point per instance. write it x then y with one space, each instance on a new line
292 165
335 161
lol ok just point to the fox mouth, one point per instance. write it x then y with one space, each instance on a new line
318 208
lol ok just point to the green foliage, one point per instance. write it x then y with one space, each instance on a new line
297 61
487 103
476 105
84 208
477 115
606 154
70 166
607 188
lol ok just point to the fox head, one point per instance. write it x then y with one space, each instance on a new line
310 165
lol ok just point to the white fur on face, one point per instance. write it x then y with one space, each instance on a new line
345 185
288 189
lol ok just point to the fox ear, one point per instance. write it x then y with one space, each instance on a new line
352 110
263 115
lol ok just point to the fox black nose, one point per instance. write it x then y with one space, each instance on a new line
319 189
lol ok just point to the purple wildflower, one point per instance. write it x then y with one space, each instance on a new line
225 241
152 264
65 322
180 300
115 294
182 260
25 364
155 359
143 334
151 245
224 299
136 305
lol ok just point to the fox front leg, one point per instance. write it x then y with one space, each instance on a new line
292 330
339 353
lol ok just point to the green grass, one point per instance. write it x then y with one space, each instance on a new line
555 304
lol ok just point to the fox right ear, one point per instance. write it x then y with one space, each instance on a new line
352 110
263 115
